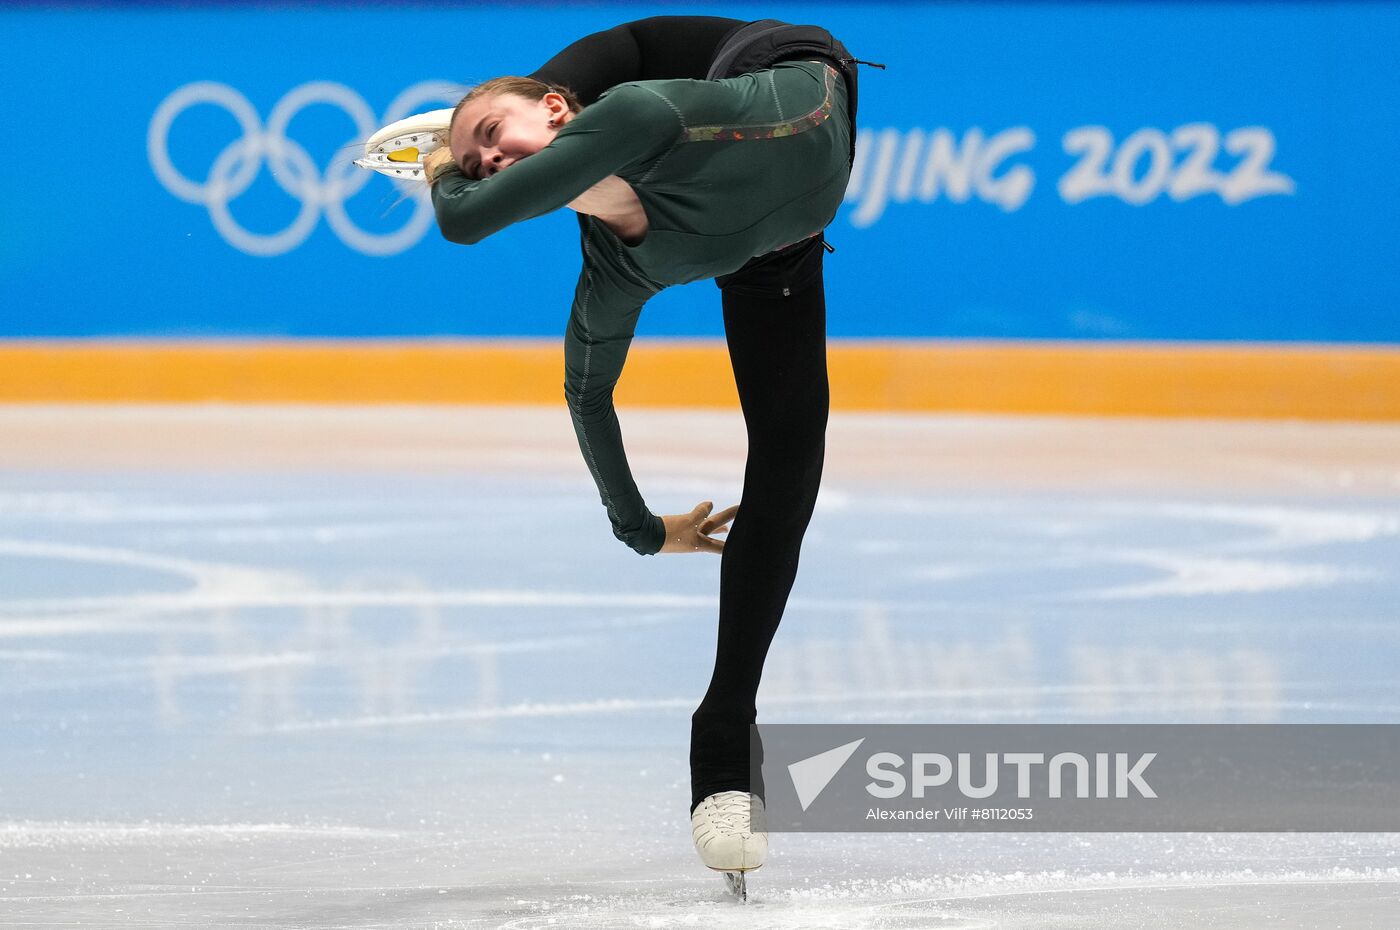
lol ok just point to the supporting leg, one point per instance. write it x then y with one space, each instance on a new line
777 345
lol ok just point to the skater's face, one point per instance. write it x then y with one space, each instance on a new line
493 133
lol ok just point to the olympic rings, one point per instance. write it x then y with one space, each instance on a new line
319 190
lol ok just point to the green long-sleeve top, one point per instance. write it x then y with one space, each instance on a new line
725 170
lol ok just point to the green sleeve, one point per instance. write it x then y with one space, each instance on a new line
601 325
627 125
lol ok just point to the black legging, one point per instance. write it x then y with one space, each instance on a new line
775 325
778 349
654 49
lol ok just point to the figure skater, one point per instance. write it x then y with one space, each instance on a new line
676 179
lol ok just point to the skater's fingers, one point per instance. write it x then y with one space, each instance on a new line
721 518
704 543
702 510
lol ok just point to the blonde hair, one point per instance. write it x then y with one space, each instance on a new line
529 88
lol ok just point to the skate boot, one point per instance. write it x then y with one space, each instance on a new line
730 836
398 150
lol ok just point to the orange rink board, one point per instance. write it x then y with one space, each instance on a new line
1335 382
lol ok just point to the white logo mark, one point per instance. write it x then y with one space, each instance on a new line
811 775
320 190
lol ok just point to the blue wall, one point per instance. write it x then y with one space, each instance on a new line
1134 171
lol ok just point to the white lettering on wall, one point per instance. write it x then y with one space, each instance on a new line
898 167
1145 165
895 166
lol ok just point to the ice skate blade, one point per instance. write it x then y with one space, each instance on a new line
402 171
398 150
737 885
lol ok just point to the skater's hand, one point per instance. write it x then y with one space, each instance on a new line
695 531
435 162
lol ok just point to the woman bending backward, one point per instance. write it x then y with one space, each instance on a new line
675 181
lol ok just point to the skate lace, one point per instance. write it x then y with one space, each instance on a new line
732 812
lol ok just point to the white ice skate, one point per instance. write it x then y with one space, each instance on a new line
730 836
398 149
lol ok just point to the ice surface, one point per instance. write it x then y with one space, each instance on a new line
424 690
